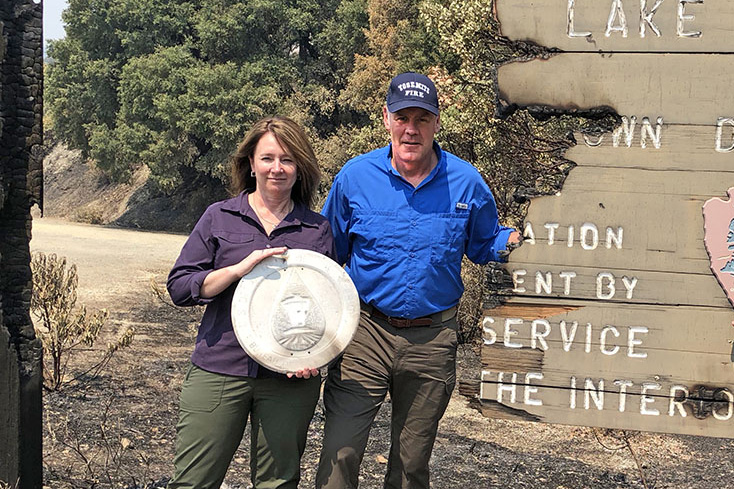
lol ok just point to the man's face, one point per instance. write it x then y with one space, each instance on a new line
411 132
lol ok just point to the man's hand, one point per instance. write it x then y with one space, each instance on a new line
514 239
306 373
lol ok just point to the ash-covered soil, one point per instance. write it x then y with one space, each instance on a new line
117 430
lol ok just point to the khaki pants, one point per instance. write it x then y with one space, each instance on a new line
213 414
417 366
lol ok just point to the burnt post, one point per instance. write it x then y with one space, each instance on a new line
21 86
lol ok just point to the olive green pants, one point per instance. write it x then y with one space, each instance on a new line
212 418
417 366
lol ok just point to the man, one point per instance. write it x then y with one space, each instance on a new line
403 216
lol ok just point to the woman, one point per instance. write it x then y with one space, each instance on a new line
275 176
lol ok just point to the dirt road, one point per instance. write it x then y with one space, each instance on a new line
113 264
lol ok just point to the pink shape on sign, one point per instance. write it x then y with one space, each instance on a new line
718 226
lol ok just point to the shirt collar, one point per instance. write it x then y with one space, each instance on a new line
241 205
439 166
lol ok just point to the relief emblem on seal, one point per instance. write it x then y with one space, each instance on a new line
718 224
298 322
294 311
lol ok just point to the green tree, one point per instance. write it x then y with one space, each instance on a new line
396 40
79 91
175 84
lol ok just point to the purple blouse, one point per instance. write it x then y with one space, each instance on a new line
226 233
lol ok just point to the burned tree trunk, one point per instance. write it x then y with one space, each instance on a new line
21 71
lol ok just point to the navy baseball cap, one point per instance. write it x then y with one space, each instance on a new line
412 90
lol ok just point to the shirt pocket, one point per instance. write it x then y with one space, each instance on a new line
232 247
373 235
296 242
449 235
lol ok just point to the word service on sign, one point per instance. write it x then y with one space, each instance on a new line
620 307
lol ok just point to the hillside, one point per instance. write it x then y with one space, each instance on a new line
75 190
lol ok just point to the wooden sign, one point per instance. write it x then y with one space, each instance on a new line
664 26
620 307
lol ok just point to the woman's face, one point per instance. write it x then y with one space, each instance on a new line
275 169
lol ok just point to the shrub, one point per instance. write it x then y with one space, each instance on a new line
89 215
62 326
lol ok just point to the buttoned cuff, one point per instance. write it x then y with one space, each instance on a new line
502 251
196 283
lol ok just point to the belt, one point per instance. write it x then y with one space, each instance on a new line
439 317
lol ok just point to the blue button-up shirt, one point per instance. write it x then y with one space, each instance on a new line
403 245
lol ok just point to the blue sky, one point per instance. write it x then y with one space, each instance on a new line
53 28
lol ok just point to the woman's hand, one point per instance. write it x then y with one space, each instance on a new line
220 279
306 373
248 263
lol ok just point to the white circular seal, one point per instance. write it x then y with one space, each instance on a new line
295 311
